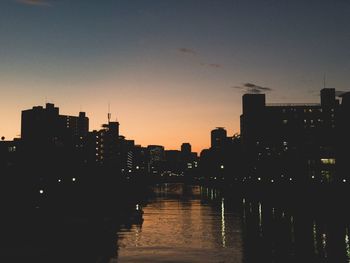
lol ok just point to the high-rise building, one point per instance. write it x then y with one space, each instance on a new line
104 144
291 137
186 148
218 137
49 138
46 124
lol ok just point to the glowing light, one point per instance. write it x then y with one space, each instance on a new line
41 191
260 220
259 179
59 180
222 167
272 181
328 161
223 227
347 243
73 179
344 180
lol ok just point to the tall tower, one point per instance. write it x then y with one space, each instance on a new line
218 137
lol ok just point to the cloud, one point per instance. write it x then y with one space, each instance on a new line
192 52
187 50
34 2
211 65
340 93
252 88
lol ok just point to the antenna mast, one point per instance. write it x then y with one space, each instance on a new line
109 113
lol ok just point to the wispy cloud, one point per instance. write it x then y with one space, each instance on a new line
252 88
211 65
194 53
35 2
187 50
340 93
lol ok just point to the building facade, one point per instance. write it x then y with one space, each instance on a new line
292 142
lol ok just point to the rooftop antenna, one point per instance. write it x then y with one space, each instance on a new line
109 113
324 80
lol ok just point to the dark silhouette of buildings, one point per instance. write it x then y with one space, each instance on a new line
223 161
40 124
218 137
278 143
49 139
104 146
292 142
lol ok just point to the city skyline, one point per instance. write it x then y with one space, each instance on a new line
171 72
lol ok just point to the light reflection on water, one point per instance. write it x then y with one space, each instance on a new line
197 224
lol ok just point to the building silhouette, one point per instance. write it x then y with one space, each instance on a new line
156 159
291 142
50 139
104 146
38 124
218 137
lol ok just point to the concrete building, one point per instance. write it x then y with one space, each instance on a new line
282 141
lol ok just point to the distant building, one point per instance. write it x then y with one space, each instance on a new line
186 148
9 153
156 158
50 138
218 137
104 146
46 123
284 140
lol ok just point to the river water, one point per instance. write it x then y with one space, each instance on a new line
197 224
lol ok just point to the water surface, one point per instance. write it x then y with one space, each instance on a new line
198 224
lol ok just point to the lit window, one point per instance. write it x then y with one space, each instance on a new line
328 161
285 121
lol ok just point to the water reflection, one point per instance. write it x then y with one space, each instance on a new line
198 224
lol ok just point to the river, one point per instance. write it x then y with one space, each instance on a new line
198 224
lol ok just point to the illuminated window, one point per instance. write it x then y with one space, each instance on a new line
285 121
328 161
12 148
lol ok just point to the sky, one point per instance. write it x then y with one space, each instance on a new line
171 70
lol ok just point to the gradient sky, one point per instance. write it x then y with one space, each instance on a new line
169 68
